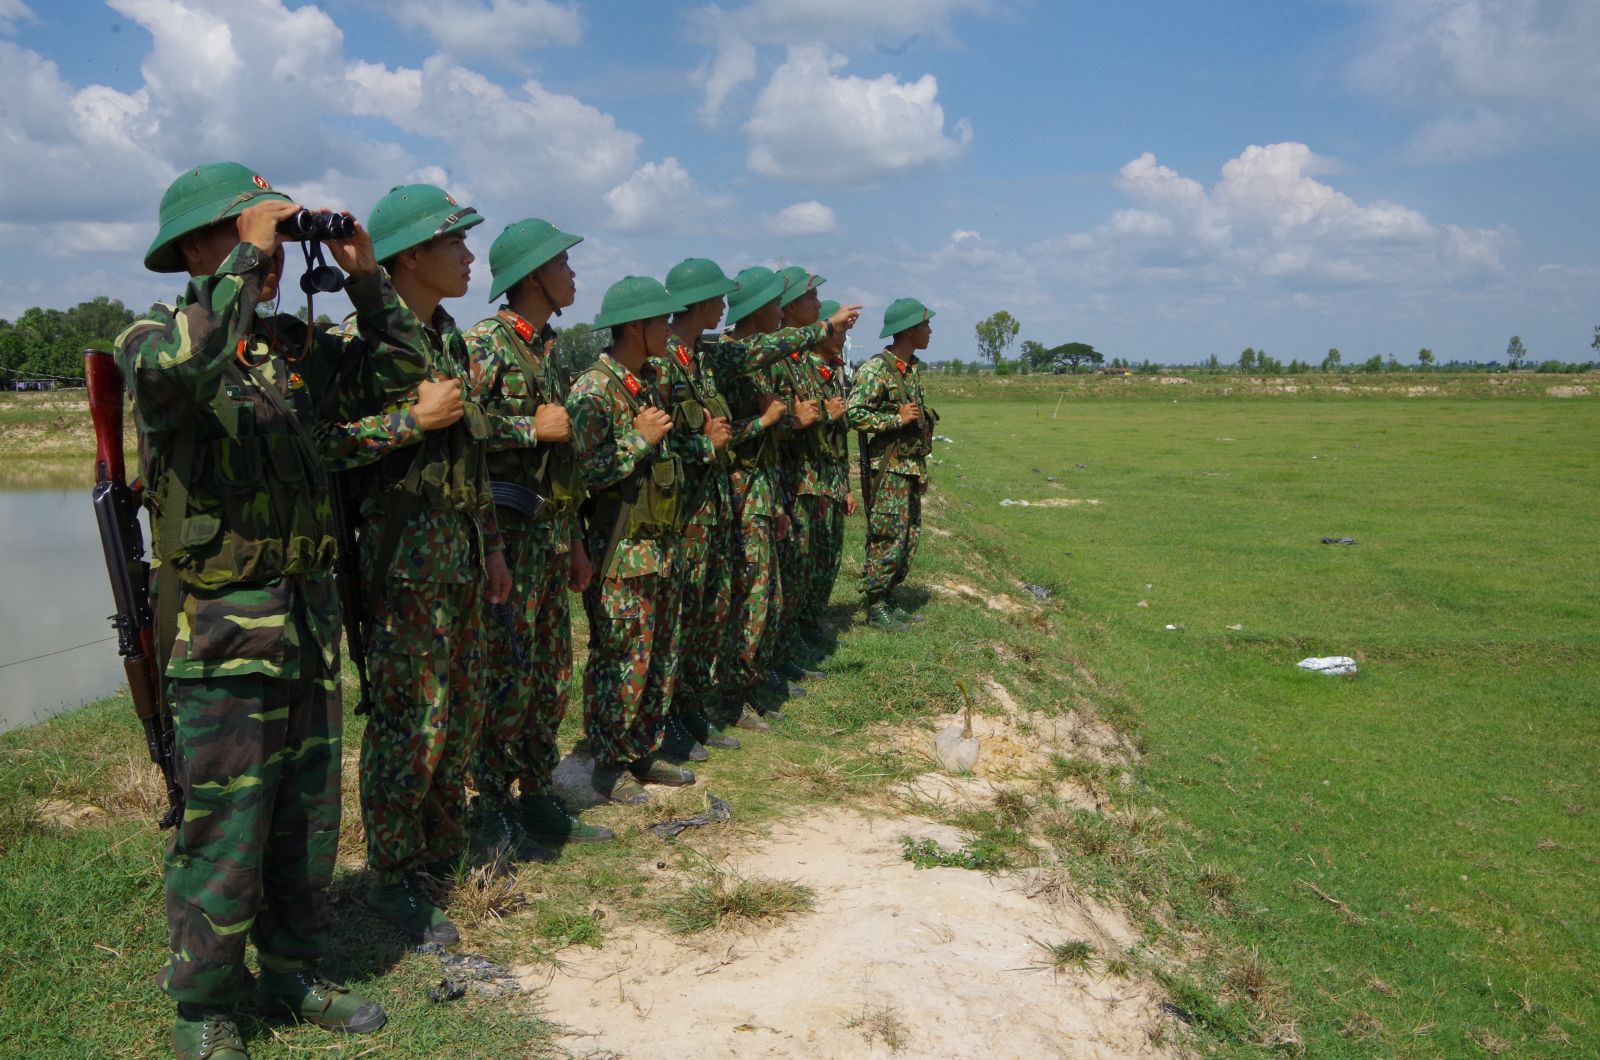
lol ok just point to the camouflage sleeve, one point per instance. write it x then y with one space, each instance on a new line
871 408
490 360
173 360
389 337
369 414
607 444
774 346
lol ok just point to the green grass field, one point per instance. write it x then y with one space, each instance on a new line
1446 796
1399 864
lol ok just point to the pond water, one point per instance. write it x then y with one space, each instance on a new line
57 649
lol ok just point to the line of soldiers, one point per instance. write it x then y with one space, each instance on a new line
691 484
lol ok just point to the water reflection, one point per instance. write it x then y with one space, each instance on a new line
57 650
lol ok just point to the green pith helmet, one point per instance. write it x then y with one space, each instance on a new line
523 247
758 285
696 279
199 197
635 298
415 213
826 310
903 313
796 282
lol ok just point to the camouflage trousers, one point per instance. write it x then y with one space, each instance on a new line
426 664
825 569
798 557
628 680
893 528
526 702
756 601
704 574
258 759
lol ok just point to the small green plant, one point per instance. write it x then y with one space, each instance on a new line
1064 956
717 897
982 853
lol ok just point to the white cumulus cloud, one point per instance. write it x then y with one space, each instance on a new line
1488 75
889 25
809 218
499 28
812 124
662 197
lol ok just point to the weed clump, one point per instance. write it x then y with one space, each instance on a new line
719 897
982 853
880 1023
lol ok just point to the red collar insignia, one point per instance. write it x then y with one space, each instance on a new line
631 383
824 371
519 325
683 355
900 365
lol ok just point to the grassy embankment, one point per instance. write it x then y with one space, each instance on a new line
1398 864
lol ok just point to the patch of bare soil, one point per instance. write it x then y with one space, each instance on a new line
893 960
993 601
1565 391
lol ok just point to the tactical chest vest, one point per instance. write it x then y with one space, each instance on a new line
445 471
240 495
550 469
753 453
648 504
909 441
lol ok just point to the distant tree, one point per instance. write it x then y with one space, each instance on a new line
1425 358
580 346
1330 363
995 336
1298 367
1247 360
1267 364
1516 352
1005 367
1070 355
1596 342
954 366
1372 364
974 368
1212 364
1037 355
1393 364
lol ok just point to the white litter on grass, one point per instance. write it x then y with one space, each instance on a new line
1008 502
1337 665
944 438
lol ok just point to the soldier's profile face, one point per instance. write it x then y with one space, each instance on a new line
655 336
768 317
444 265
920 335
560 283
804 310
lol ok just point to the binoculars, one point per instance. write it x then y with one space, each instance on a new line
312 225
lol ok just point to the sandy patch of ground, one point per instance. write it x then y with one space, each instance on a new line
993 601
1565 391
948 956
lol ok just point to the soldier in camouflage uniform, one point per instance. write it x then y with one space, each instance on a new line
801 471
835 474
431 556
236 412
635 480
740 358
538 488
887 406
710 537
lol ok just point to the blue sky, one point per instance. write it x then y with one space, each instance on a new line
1162 179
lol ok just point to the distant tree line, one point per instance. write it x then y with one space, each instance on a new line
996 333
48 344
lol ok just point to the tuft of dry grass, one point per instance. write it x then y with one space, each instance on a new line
484 894
880 1023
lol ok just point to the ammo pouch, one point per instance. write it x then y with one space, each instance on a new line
550 470
240 494
647 505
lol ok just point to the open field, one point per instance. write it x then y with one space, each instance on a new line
1403 863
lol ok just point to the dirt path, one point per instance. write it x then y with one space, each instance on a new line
893 960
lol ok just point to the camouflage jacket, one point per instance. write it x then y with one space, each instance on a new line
882 385
257 506
689 388
834 466
740 364
803 459
610 449
432 486
511 383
